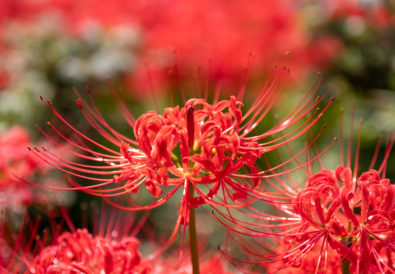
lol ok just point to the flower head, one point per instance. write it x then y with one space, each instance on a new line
81 252
336 215
356 221
111 247
209 149
205 137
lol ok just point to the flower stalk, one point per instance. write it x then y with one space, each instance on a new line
192 218
345 266
193 246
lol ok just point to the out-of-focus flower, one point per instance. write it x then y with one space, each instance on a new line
374 13
81 252
112 248
202 30
14 155
209 151
15 159
364 67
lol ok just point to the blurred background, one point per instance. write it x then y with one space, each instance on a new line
147 48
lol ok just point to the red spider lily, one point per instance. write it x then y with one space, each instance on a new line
13 155
80 252
14 159
200 148
354 215
337 215
112 248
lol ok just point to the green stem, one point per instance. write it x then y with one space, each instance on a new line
345 266
193 238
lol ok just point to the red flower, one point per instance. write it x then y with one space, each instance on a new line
17 162
202 30
200 148
15 159
111 248
81 252
337 221
354 215
337 214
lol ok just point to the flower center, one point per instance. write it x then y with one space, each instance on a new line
330 200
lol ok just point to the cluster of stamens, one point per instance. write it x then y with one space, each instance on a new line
199 142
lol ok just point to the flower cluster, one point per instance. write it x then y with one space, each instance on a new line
336 220
200 148
80 252
207 136
353 216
